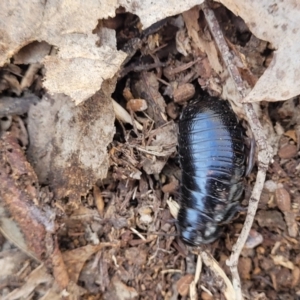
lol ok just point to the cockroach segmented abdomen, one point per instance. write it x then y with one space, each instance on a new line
212 157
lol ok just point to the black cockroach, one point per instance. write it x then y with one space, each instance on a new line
212 158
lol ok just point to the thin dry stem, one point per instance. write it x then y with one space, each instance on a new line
193 290
264 155
213 265
124 116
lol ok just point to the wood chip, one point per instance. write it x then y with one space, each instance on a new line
288 151
137 105
184 93
283 199
183 284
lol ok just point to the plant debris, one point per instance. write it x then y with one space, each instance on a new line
89 193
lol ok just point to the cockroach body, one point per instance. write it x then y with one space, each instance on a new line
212 157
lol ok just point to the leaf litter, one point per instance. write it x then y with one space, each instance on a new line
101 221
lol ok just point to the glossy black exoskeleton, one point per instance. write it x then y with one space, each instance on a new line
212 157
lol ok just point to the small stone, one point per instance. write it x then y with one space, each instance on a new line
288 151
283 199
254 239
270 186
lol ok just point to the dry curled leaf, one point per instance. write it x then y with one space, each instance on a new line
206 46
275 22
282 261
80 66
183 284
36 277
68 143
19 196
120 291
75 259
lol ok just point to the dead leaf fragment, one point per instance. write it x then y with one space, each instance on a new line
172 110
206 296
62 74
80 66
36 277
12 232
124 116
161 147
292 134
206 46
210 262
174 207
282 261
183 284
68 143
11 261
147 88
75 259
58 266
277 23
120 291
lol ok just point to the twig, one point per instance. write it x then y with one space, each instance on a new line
213 265
124 116
193 290
137 233
264 154
170 271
